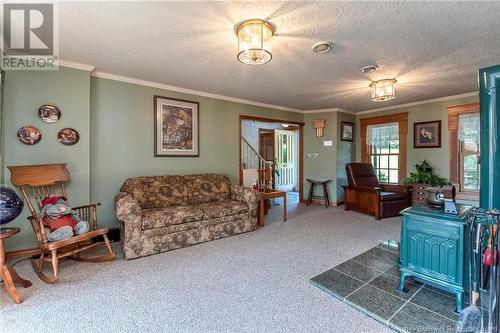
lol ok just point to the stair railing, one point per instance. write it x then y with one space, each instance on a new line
251 159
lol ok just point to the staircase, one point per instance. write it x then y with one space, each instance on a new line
252 160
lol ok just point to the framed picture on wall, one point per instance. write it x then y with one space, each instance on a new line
346 131
427 134
175 127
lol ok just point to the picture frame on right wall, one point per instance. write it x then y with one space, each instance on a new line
427 134
347 131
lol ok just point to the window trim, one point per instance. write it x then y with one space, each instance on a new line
462 172
453 122
402 120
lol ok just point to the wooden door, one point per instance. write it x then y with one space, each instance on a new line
285 155
266 144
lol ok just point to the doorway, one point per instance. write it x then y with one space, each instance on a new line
280 146
285 157
279 142
266 144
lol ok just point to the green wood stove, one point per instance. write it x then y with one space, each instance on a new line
434 249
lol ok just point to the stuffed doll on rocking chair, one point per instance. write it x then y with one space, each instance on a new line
61 231
61 222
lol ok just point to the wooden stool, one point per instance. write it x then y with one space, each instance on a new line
325 196
8 274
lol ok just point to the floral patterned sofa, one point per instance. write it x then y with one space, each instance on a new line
163 213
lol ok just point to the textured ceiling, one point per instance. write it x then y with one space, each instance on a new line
433 49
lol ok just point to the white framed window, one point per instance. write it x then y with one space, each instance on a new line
469 152
384 151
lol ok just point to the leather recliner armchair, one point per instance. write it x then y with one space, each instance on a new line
365 194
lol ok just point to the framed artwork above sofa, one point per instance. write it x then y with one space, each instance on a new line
176 129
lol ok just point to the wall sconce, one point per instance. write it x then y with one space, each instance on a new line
319 125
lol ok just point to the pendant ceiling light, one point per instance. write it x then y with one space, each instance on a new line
254 41
383 90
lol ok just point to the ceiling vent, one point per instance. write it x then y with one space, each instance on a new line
368 69
322 47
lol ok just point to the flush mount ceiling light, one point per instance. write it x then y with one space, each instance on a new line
254 41
322 47
368 69
383 90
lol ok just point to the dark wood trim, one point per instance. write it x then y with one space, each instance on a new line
415 134
301 163
463 108
453 113
240 167
155 97
402 119
301 145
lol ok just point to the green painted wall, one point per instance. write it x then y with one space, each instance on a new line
115 122
2 126
122 138
325 165
330 164
25 92
346 153
437 157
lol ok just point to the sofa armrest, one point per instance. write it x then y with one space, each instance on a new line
129 213
247 195
395 188
128 209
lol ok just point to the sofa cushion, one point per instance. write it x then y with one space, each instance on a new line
165 217
206 188
223 208
157 191
391 196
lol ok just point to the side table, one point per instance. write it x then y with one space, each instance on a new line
267 196
8 274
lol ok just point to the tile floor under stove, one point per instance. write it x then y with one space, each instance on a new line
368 282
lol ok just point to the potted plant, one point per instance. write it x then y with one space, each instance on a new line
431 182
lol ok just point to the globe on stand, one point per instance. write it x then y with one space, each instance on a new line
11 204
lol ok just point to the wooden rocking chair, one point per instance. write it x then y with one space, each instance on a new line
39 181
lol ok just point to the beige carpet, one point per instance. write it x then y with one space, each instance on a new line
255 282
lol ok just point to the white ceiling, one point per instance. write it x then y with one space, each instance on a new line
433 49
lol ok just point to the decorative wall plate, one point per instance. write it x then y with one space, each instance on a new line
49 113
68 136
29 135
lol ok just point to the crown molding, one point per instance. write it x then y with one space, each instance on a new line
76 65
329 110
103 75
439 99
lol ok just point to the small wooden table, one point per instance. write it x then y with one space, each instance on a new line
9 275
267 196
